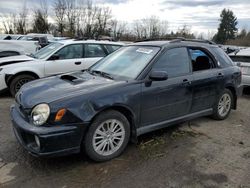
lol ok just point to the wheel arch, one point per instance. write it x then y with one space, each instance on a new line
127 112
233 91
10 77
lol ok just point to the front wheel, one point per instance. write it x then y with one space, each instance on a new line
107 136
18 82
223 105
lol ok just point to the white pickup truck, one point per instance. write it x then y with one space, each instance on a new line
17 47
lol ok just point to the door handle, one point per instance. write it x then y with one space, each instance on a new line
186 82
78 63
220 75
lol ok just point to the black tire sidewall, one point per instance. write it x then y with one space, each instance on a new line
16 79
216 114
111 114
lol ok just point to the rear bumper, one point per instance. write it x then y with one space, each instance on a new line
53 141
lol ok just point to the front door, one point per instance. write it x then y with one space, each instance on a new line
70 59
172 98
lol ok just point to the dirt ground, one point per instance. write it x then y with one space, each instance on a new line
199 153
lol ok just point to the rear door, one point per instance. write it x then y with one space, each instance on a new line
70 59
208 79
93 53
165 100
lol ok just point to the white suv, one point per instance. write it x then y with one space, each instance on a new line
56 58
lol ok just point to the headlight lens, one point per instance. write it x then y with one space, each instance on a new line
40 114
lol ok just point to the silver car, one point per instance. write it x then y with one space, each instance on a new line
243 58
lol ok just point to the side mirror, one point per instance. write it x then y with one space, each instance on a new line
54 57
158 75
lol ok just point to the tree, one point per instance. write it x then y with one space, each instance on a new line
60 13
21 24
228 27
40 22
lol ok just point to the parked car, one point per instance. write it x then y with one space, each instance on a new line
57 58
42 40
139 88
242 57
17 46
10 50
10 36
48 36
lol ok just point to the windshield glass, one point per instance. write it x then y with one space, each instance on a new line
127 62
47 51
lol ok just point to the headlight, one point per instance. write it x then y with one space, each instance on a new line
40 114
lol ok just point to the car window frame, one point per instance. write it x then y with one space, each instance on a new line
165 51
68 46
212 57
102 46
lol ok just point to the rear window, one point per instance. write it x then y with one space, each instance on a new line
222 57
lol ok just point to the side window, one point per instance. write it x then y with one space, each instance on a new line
175 62
93 50
71 52
200 60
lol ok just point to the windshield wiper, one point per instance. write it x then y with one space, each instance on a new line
103 74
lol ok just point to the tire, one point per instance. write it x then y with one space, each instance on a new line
18 81
95 142
223 109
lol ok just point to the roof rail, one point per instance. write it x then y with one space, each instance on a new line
178 39
193 40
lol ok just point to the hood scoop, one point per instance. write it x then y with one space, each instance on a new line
71 78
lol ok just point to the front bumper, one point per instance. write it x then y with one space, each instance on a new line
3 85
54 141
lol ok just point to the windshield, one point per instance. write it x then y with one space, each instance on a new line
47 51
127 62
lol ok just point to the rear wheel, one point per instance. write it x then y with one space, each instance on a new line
18 82
223 105
107 136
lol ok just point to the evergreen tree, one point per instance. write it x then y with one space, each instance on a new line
228 27
40 23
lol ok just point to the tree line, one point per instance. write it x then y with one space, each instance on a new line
84 19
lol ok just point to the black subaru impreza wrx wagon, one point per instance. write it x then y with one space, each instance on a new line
140 88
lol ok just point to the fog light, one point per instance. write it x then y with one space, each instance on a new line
37 141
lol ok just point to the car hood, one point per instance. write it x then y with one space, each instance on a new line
15 59
60 87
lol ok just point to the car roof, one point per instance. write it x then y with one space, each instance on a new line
66 42
163 43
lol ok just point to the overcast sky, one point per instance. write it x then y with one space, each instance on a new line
201 15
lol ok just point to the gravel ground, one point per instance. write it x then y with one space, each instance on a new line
199 153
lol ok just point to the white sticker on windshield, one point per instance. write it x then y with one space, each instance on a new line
144 50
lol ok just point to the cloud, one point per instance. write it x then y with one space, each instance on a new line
193 3
200 15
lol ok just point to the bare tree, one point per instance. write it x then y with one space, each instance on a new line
9 23
151 27
60 13
71 14
21 24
